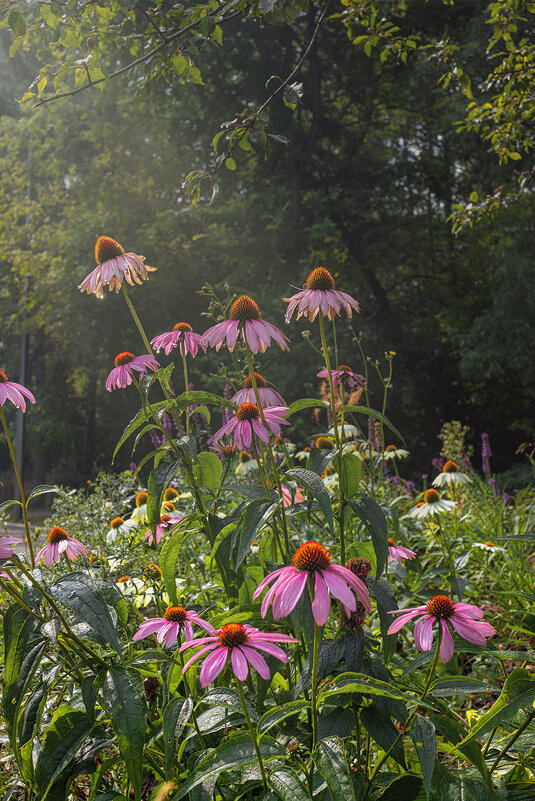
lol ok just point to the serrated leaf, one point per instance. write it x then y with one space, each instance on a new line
61 740
208 470
42 489
175 716
360 683
233 753
158 482
313 483
255 515
338 723
349 470
279 713
331 763
17 23
373 518
122 695
305 403
287 785
79 592
425 741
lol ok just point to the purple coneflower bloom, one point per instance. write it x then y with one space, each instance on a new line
10 390
114 265
465 619
312 563
8 546
320 294
168 626
246 423
242 644
166 521
59 542
244 318
398 552
268 396
181 336
343 375
125 364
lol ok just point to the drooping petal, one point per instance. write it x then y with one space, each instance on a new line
271 649
321 605
401 621
291 593
239 664
148 627
268 579
446 646
198 654
255 660
339 589
423 633
172 634
213 665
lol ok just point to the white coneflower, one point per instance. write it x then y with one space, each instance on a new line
450 476
432 504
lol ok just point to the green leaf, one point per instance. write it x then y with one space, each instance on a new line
317 489
236 752
175 716
406 788
360 683
140 419
453 732
42 489
331 763
349 471
202 398
79 592
188 445
23 648
425 741
331 651
459 685
279 713
372 413
287 785
208 470
338 723
386 602
306 403
230 164
122 695
32 712
373 518
251 492
383 731
354 642
6 504
168 559
158 482
17 23
254 517
518 692
61 740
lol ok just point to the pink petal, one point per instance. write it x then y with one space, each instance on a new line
339 589
469 610
423 633
291 593
257 661
239 664
268 579
271 649
401 621
213 665
198 654
321 605
148 627
252 337
446 647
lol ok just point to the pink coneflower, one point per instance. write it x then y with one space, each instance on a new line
244 318
242 644
59 542
168 626
344 375
312 560
465 619
268 396
246 423
10 390
181 336
125 364
8 546
398 552
114 265
287 496
320 294
166 521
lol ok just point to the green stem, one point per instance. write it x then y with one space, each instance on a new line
338 439
512 740
252 732
186 388
407 723
28 538
314 693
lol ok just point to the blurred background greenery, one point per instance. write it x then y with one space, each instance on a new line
372 169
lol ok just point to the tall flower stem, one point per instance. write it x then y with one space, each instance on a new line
337 438
186 388
512 740
268 446
28 537
253 734
407 723
314 692
444 539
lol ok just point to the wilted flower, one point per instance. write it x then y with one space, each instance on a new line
242 644
125 364
432 505
398 552
465 619
114 265
168 627
10 390
166 521
267 395
59 542
450 475
343 375
244 319
311 563
246 424
320 294
181 336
